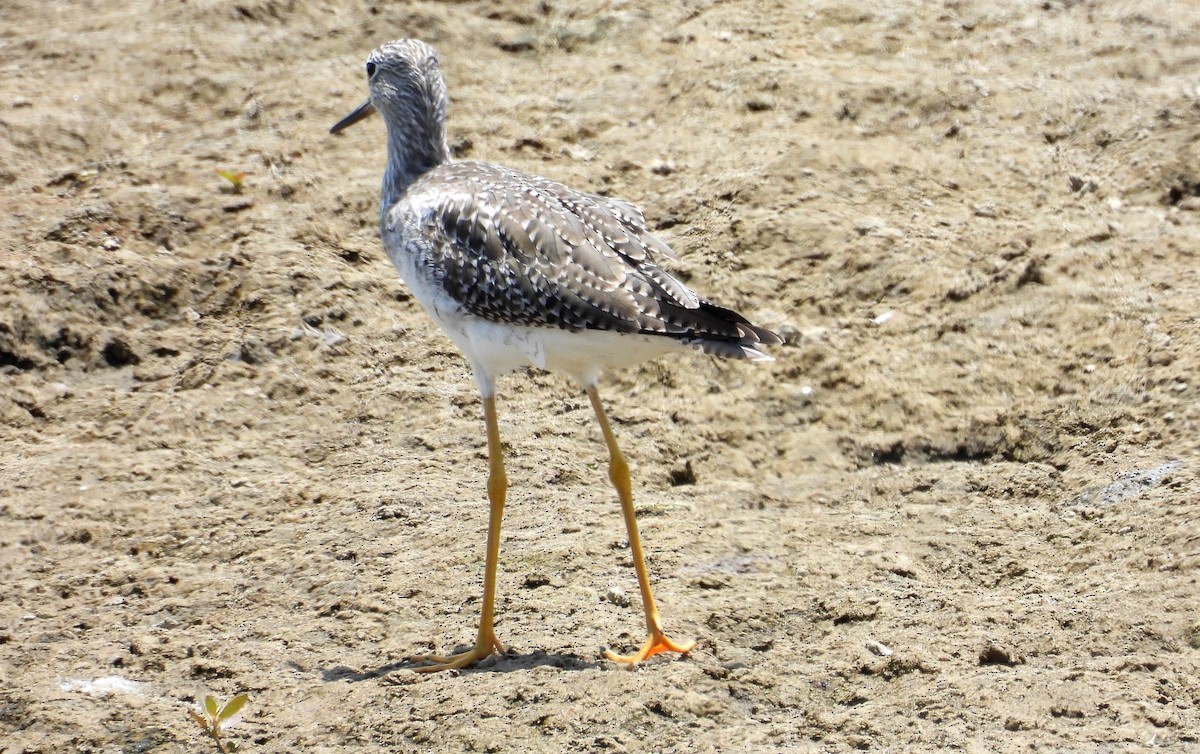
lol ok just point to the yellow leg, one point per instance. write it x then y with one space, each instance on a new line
618 472
485 641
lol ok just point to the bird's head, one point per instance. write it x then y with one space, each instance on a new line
406 88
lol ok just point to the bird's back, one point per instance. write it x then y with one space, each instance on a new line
514 249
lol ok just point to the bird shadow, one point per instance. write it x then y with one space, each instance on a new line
507 662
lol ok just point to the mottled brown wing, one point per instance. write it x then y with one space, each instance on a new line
529 251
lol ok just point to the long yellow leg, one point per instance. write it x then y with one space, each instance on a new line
485 641
618 472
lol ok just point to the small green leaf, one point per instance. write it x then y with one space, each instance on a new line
231 746
210 706
233 705
235 177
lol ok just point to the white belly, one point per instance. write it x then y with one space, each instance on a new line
495 349
581 354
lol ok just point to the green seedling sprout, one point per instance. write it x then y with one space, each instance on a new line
214 718
235 177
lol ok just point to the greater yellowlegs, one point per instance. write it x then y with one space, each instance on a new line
522 271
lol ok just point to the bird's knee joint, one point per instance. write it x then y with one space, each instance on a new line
618 469
497 484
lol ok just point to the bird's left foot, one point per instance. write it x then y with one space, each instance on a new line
658 642
484 647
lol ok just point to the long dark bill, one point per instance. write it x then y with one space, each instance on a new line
359 113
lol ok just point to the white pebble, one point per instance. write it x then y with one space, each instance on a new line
616 595
878 648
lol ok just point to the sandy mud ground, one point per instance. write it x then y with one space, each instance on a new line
235 457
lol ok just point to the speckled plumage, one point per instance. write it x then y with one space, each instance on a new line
480 242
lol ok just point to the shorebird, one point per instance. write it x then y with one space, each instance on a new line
522 271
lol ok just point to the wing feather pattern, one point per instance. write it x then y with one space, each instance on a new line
523 250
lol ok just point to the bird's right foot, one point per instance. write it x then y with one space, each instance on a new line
656 643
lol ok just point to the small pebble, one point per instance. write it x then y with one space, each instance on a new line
616 595
662 167
878 648
535 579
998 654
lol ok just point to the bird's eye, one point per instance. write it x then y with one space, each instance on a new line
370 70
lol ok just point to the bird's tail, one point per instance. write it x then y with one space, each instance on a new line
729 335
